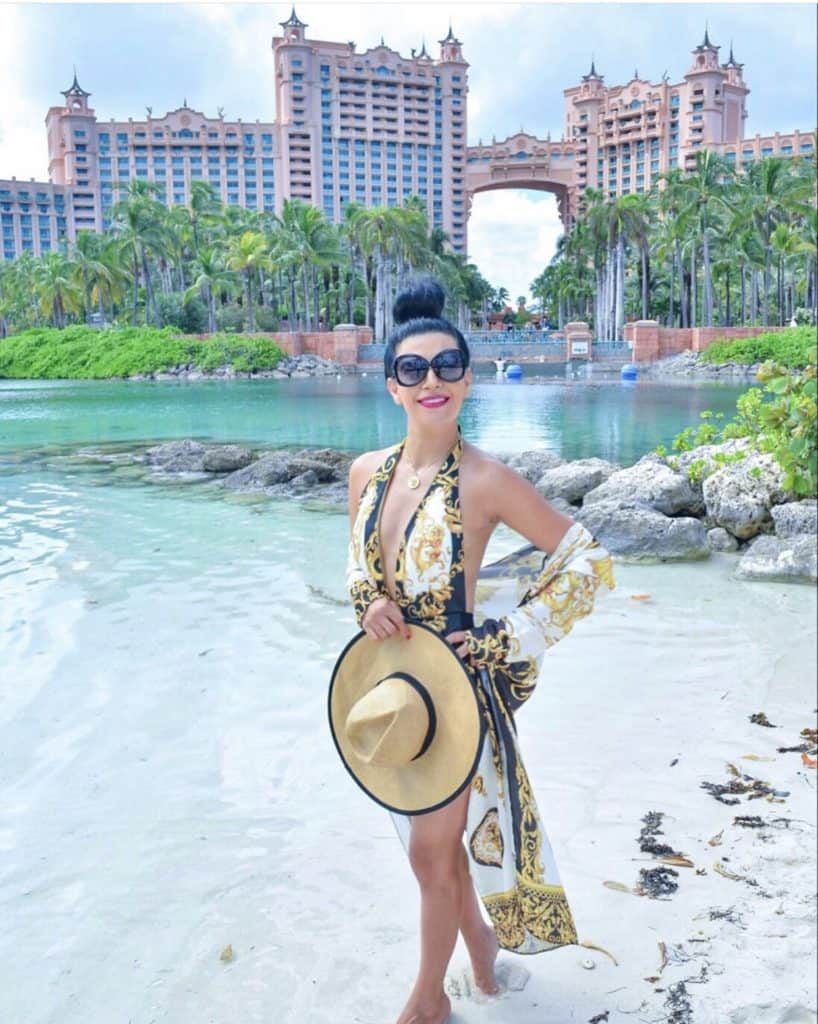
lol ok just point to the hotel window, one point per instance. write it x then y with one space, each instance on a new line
674 100
767 151
698 106
805 147
79 133
158 135
786 150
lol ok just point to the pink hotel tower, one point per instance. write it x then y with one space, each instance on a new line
376 128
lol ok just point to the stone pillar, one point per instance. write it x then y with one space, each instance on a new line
645 334
578 341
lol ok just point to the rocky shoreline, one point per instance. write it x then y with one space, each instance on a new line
287 368
651 511
688 365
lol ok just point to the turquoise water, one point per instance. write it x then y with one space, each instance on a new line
574 418
167 782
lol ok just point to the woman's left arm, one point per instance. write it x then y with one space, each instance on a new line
574 565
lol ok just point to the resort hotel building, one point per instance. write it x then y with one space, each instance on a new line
376 128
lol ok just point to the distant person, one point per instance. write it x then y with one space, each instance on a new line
422 702
499 364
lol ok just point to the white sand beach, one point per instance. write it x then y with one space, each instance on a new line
169 788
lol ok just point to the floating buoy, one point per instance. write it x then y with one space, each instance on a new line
629 372
514 372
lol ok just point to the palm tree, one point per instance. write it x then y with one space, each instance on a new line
246 254
211 277
56 288
136 221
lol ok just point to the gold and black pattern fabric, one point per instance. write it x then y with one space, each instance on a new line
527 602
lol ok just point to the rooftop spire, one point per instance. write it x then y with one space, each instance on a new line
705 43
731 60
450 38
593 73
75 89
423 53
293 21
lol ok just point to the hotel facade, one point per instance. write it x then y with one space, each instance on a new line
376 128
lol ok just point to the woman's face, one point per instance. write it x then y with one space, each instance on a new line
431 402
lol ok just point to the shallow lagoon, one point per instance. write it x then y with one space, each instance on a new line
168 783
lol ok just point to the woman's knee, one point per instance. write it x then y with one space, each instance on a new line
435 862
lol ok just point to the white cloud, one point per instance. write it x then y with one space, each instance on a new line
23 149
512 236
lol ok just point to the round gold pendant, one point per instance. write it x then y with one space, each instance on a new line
413 482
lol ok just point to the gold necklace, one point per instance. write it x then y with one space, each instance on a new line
414 480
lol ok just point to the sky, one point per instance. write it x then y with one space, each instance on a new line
521 56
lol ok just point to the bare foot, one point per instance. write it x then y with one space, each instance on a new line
482 962
415 1013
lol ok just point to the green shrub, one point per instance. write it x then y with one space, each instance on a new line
83 353
781 420
794 347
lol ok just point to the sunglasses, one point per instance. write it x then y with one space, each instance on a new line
449 366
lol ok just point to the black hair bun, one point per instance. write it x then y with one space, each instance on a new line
423 300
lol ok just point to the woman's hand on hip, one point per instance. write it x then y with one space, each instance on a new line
458 641
383 619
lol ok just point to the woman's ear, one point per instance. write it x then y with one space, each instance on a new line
392 388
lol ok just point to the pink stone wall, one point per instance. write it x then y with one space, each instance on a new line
341 346
651 342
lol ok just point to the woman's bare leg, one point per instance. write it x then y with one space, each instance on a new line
478 935
435 852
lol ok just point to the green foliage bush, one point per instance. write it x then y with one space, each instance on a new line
794 347
190 316
781 420
84 353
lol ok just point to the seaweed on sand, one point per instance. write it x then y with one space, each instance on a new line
741 785
678 1005
647 841
657 883
759 718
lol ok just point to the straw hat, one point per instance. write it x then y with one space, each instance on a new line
405 719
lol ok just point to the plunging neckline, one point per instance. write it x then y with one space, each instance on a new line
451 459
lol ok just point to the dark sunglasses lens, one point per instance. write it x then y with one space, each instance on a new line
410 370
449 365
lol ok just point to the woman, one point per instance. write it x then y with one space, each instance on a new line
422 513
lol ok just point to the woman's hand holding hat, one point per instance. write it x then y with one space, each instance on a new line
383 619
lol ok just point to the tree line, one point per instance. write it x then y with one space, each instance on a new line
207 267
710 247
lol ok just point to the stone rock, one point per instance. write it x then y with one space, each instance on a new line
264 472
720 540
177 456
639 532
561 505
573 480
792 559
226 458
649 482
305 480
532 465
299 466
795 517
739 496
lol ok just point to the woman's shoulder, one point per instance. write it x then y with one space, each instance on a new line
484 467
366 464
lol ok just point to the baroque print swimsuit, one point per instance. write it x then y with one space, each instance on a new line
542 596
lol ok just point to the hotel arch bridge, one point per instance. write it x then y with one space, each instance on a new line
524 161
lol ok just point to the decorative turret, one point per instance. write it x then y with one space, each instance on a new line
75 96
293 28
451 49
592 74
706 54
731 60
423 55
